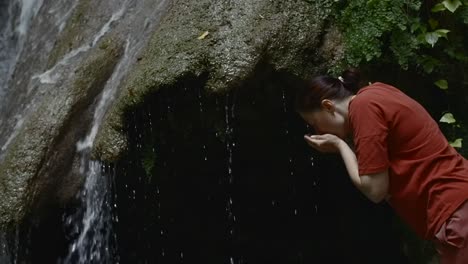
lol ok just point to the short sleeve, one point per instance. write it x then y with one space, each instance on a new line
370 132
372 154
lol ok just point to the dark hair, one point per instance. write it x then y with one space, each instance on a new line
310 96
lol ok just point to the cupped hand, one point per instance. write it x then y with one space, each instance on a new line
324 143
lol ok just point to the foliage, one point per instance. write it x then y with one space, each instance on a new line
424 37
366 23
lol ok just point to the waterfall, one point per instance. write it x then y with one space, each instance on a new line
28 32
20 40
12 37
94 220
51 75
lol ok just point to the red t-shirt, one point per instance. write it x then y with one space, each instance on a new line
428 178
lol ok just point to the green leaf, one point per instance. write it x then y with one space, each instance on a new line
442 32
428 63
415 26
433 23
452 5
437 8
442 84
448 118
431 38
457 143
428 67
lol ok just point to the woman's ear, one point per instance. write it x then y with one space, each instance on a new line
328 105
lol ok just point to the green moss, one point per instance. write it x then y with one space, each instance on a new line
149 159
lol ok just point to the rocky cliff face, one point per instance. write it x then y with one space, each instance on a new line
226 41
62 56
72 49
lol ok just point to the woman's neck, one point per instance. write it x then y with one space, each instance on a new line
342 107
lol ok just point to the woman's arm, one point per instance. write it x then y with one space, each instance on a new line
373 186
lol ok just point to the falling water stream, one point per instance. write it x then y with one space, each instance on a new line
230 144
94 242
91 225
22 55
13 35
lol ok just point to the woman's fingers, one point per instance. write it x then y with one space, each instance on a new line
310 139
313 142
322 143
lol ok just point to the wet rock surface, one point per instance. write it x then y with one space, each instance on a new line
66 53
226 41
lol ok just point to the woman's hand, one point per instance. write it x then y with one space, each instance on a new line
324 143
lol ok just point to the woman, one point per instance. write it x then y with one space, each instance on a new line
400 155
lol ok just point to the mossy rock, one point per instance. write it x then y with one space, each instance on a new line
45 145
226 41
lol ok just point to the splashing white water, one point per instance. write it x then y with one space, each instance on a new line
95 230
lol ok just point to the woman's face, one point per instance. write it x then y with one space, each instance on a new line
327 121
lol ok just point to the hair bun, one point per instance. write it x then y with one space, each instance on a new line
351 79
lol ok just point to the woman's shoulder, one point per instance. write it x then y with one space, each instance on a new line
377 94
378 89
377 86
